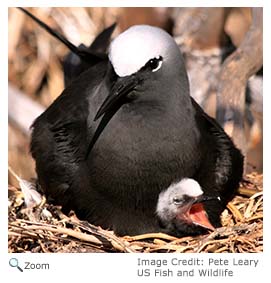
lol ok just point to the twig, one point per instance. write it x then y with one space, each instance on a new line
235 212
247 192
150 236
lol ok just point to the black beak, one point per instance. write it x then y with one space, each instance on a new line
204 198
117 97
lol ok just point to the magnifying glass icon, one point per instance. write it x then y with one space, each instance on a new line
13 262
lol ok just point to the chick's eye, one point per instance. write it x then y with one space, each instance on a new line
155 63
177 200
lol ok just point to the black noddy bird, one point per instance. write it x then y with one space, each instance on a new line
124 130
180 208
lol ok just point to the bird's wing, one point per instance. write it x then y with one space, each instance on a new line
80 57
62 133
73 65
101 42
225 160
210 121
221 165
83 53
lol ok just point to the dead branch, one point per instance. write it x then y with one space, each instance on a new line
236 71
201 28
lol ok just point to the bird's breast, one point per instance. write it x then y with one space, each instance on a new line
139 161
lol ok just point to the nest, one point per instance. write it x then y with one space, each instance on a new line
35 67
46 229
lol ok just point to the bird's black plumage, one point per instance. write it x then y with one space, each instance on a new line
110 171
74 64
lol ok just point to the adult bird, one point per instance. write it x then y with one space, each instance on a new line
127 128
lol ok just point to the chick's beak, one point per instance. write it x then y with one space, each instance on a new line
199 216
194 212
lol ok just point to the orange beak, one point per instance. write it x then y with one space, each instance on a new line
198 216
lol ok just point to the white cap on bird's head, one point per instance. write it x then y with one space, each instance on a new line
132 49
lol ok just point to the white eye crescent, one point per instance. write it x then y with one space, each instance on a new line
154 64
158 66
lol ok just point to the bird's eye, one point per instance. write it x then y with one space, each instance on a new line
177 200
155 63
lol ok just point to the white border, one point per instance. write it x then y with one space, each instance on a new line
3 129
91 267
137 3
